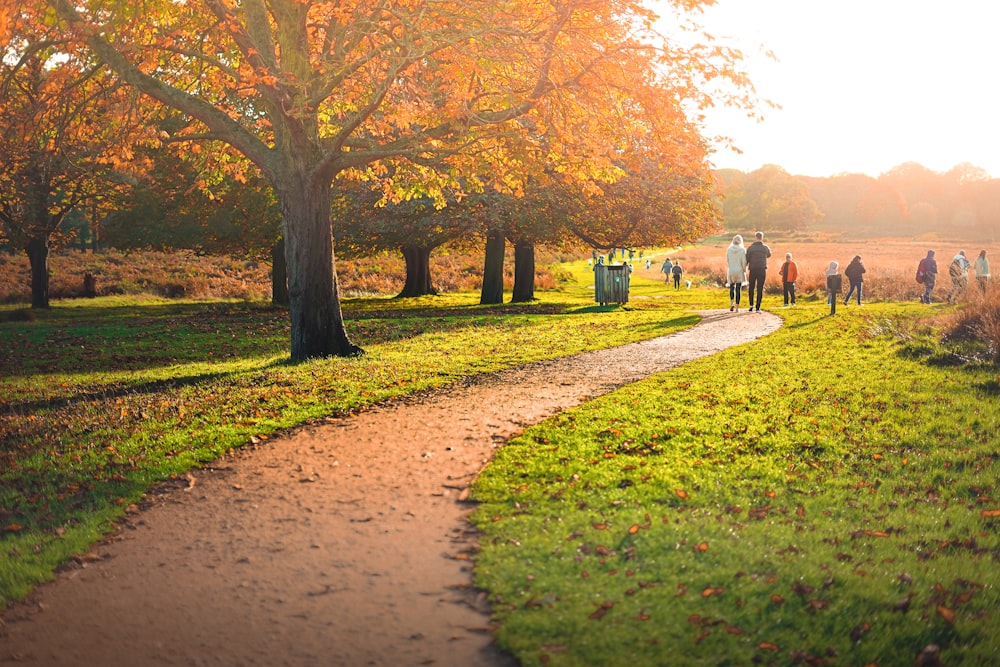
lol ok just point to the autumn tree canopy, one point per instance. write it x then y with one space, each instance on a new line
306 89
66 131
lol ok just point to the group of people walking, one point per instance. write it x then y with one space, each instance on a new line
747 266
958 272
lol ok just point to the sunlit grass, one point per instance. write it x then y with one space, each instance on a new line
820 496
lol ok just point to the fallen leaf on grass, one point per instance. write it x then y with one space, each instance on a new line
601 611
712 590
768 646
947 614
990 514
13 528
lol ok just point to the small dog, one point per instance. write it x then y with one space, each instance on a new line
687 283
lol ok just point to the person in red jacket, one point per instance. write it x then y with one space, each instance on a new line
789 272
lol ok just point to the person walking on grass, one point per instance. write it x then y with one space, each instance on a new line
928 272
666 269
834 282
789 274
757 256
736 271
958 271
854 272
982 271
678 272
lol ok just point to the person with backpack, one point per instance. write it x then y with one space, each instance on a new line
854 272
958 271
927 275
789 272
678 272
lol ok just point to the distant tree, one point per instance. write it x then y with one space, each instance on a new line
883 208
365 224
770 198
66 128
837 197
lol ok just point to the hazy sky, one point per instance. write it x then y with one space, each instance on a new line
865 85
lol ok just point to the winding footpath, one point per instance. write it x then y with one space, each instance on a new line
342 543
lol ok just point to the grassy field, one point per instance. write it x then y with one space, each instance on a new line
823 496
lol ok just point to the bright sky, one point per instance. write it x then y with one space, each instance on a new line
864 85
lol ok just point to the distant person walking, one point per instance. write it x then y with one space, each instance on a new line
927 270
982 270
789 274
757 256
854 272
958 271
834 282
677 272
736 271
667 267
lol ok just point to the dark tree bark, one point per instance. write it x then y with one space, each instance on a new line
279 274
418 272
38 256
317 321
493 269
524 272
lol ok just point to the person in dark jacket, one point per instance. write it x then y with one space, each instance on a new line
928 266
757 255
854 272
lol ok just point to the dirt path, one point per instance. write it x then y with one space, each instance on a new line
339 544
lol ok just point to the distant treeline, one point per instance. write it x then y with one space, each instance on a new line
905 201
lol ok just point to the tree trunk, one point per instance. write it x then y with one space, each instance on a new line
279 274
524 272
418 272
38 256
493 268
317 321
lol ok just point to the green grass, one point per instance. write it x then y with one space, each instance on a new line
824 496
102 399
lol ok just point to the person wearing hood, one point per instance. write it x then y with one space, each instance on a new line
854 272
834 282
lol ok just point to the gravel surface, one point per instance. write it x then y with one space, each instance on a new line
342 543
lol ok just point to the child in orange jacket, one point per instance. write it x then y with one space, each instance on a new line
789 274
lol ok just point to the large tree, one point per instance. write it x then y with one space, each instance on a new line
306 89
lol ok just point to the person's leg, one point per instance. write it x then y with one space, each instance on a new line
860 285
791 290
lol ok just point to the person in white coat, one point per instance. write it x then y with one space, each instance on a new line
736 271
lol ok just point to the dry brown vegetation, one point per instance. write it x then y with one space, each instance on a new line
186 274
